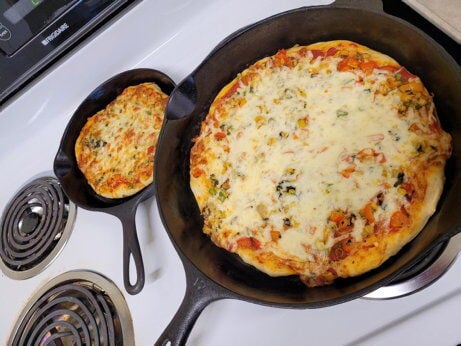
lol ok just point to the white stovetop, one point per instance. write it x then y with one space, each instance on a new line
174 36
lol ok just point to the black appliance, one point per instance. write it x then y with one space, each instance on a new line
34 33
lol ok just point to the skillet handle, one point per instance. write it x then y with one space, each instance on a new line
131 250
200 292
182 100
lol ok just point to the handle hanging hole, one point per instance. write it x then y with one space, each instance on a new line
132 270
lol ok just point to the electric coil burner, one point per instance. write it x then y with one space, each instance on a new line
76 308
34 227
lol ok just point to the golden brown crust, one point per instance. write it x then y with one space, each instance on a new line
115 149
251 163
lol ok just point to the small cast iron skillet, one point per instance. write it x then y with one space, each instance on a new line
75 184
213 273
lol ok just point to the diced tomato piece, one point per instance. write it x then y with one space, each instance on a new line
320 53
275 235
346 173
405 74
409 189
150 150
367 67
340 250
248 77
331 51
399 219
370 153
282 59
232 90
197 172
303 51
316 53
366 153
219 135
348 64
249 243
336 216
367 212
343 222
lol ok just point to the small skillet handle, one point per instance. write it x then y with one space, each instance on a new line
200 292
131 250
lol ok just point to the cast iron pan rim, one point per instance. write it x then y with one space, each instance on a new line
236 34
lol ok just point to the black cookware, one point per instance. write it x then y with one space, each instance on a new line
76 186
213 273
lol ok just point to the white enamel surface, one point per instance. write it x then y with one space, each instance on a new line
175 36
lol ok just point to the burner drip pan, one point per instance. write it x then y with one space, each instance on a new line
34 227
422 274
75 308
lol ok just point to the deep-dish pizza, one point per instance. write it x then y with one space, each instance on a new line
115 148
320 161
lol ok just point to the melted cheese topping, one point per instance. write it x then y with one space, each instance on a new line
293 144
340 119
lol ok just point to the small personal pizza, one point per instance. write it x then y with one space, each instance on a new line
320 161
115 149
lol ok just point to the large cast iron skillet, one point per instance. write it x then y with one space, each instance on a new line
213 273
80 192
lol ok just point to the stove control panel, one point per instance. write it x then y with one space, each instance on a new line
22 20
34 33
